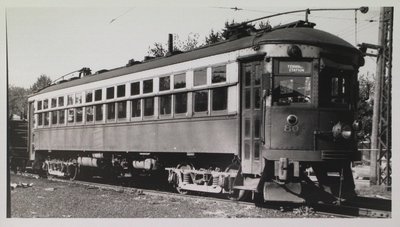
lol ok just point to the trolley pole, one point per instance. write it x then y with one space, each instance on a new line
381 120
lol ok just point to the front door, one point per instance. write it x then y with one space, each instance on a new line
251 92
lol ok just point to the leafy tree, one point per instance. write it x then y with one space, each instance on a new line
42 82
366 103
214 37
160 49
190 43
17 101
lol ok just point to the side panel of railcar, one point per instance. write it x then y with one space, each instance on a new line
201 135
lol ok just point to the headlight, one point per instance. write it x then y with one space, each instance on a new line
346 132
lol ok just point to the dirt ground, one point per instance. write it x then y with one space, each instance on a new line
50 199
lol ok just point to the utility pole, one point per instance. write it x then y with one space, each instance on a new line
381 142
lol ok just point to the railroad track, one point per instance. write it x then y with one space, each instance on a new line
357 207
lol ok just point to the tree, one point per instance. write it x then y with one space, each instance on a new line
42 82
365 103
17 101
214 37
160 49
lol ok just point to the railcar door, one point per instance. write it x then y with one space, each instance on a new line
251 92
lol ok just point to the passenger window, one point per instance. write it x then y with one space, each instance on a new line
165 105
135 88
39 105
46 118
89 113
147 86
165 83
78 98
79 114
70 100
218 74
121 91
61 101
40 119
121 109
200 101
71 113
99 112
89 96
291 89
200 77
136 108
110 93
220 98
181 103
54 117
149 106
53 102
45 104
180 81
61 114
110 111
292 82
98 95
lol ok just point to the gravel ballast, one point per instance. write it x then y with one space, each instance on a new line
51 199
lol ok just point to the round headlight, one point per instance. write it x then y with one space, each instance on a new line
292 119
346 131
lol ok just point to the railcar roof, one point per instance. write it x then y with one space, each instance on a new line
299 35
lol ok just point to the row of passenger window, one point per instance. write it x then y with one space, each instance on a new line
176 104
218 75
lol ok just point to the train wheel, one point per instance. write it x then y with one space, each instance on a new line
235 194
73 172
185 166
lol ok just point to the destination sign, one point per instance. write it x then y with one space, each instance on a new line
291 67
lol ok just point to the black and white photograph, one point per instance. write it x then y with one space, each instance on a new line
199 113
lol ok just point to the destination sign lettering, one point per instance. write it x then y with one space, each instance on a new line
289 67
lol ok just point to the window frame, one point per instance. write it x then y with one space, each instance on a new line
140 117
222 111
108 120
117 88
174 102
152 86
101 95
310 75
212 74
154 109
86 115
123 119
200 113
92 96
171 106
174 79
139 88
82 117
206 77
169 85
113 92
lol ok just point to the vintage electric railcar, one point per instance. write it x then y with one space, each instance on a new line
249 114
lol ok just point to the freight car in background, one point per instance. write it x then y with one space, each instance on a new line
245 115
18 144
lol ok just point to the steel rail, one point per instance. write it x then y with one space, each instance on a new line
341 211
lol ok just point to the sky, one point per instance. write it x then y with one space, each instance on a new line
57 39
